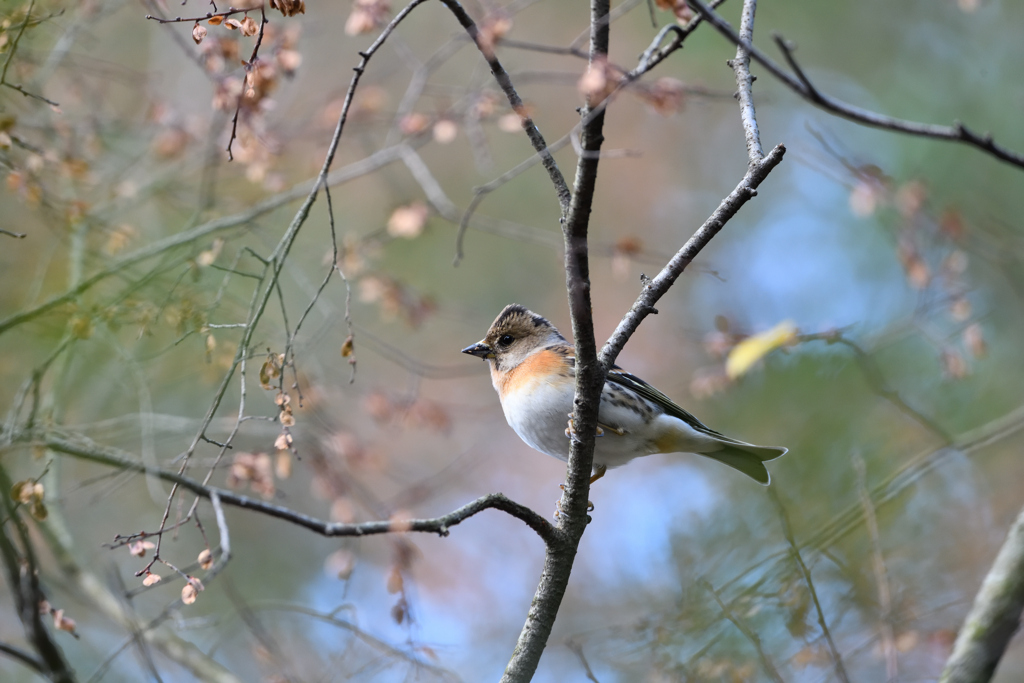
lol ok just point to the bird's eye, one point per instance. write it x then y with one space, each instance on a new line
505 340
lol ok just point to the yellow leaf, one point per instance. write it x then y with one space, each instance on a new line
752 349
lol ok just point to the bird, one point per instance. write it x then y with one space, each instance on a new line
533 370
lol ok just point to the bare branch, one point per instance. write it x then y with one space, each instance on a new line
876 380
23 581
766 663
744 83
802 86
249 76
25 658
590 378
532 132
87 450
10 56
994 617
805 573
655 288
371 163
16 235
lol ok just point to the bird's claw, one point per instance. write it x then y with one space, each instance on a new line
558 504
570 431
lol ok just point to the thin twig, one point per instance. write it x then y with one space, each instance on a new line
10 56
86 450
505 83
358 169
876 380
249 77
881 574
802 86
577 649
805 573
16 235
655 288
25 658
766 663
744 82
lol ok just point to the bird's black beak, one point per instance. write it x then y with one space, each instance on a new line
480 350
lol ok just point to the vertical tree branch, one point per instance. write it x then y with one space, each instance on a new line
745 82
994 617
590 376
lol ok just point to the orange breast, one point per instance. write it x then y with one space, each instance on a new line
543 366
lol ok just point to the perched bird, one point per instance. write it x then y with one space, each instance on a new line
533 370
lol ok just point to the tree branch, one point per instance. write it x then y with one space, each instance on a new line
24 657
505 83
745 82
590 377
655 288
995 616
87 450
802 86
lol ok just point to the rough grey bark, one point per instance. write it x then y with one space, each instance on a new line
994 617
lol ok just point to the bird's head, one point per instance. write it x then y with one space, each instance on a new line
513 336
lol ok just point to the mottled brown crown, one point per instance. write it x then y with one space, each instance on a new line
516 332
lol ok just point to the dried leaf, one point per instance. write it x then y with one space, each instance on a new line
139 548
207 257
283 441
752 349
215 21
22 491
340 564
666 95
865 198
189 593
289 7
598 81
289 61
232 24
205 558
954 364
38 510
198 33
151 579
445 131
974 340
342 510
62 622
249 27
960 309
348 348
395 583
398 612
907 641
510 123
283 465
910 198
408 221
491 30
366 16
952 223
413 124
81 327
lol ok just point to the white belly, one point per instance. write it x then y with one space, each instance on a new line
540 417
